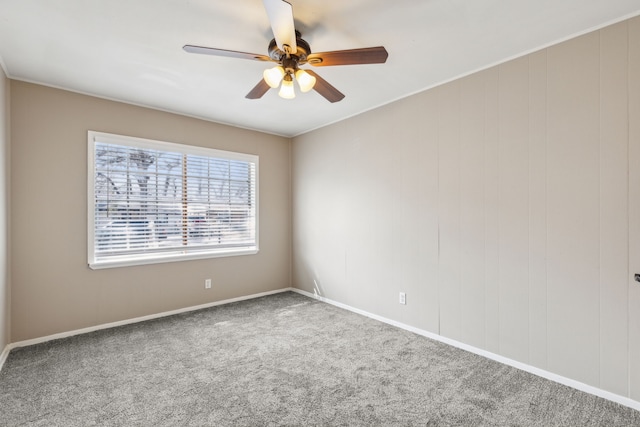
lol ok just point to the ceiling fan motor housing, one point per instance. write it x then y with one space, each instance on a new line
299 57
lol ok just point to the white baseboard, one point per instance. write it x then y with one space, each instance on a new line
39 340
498 358
4 355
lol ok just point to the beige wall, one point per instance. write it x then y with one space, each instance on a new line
634 208
498 203
53 289
5 297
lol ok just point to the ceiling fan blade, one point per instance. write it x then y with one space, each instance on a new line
281 18
222 52
367 55
259 90
325 89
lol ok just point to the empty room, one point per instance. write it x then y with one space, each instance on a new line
319 212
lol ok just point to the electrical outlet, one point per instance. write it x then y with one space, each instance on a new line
207 284
403 298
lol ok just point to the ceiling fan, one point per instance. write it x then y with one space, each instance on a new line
290 51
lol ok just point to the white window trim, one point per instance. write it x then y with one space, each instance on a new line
178 254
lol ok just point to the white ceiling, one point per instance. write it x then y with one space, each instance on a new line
131 50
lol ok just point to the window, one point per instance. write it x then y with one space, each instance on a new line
152 201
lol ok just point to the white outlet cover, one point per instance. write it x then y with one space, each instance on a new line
403 298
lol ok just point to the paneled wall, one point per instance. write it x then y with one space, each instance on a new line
634 212
498 202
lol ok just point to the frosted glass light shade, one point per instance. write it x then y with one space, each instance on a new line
273 76
286 90
305 80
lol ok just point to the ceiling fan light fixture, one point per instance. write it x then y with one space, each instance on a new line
289 50
273 76
286 90
305 80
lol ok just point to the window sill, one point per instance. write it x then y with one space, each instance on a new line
128 260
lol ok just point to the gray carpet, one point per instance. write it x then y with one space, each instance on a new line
279 360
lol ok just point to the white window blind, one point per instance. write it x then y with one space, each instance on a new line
152 201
